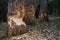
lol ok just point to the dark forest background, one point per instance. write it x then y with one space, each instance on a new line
53 8
53 15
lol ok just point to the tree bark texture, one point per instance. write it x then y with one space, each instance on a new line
30 14
16 13
43 15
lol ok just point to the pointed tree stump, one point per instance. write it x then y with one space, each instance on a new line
16 13
30 14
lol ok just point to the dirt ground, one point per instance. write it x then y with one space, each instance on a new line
43 31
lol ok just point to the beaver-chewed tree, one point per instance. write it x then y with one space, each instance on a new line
16 13
43 14
30 14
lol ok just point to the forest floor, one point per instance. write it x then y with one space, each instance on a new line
39 31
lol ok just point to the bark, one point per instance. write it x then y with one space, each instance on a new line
43 15
16 13
30 14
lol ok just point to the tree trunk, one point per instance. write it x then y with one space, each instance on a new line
16 13
43 15
30 14
3 10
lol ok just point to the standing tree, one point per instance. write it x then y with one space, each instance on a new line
43 15
3 10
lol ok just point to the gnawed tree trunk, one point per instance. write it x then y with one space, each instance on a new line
16 13
43 15
30 14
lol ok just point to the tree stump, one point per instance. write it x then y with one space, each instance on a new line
16 13
30 14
